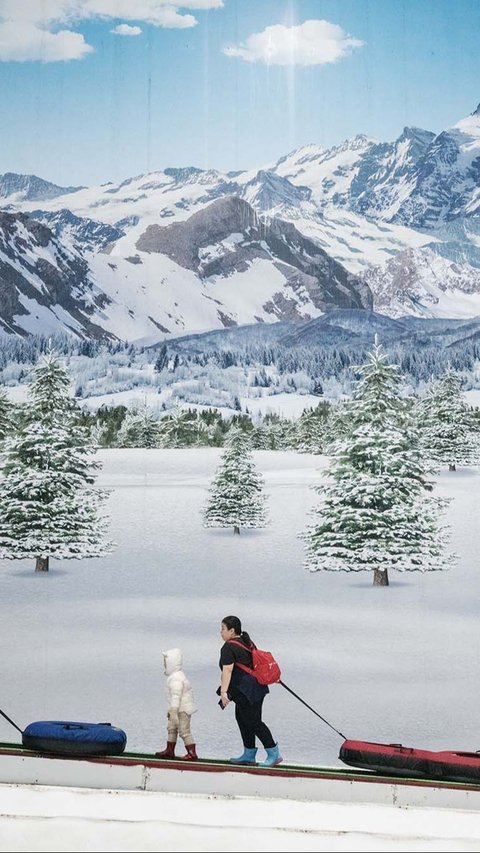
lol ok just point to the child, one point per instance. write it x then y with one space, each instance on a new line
180 706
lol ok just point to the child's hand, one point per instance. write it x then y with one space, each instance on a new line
173 716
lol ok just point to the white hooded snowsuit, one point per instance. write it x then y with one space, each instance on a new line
179 697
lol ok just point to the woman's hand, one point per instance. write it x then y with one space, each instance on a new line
227 670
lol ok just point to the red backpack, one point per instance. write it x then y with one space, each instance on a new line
265 668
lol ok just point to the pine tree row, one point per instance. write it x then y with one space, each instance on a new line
377 511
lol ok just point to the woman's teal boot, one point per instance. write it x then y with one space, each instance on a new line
273 756
248 757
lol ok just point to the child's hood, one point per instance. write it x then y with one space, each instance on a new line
173 661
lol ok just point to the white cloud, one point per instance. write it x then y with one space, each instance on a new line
311 43
126 30
21 41
160 13
29 29
169 17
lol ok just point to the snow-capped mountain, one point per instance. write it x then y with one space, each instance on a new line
161 198
269 191
244 247
328 172
420 180
221 267
78 231
154 197
386 174
228 237
17 188
362 175
45 286
446 178
420 282
352 239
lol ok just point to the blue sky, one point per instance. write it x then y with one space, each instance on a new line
105 106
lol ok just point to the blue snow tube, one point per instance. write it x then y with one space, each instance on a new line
70 738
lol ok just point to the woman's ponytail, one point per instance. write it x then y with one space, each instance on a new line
246 638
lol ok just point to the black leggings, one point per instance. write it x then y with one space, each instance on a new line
249 719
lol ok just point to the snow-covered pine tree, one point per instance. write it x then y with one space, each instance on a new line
161 362
179 429
236 493
266 436
49 390
140 428
203 433
274 433
48 504
284 435
377 512
310 430
97 434
6 415
338 424
448 430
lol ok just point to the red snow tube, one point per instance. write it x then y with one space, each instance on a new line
393 759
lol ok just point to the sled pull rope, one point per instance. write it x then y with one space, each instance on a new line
311 709
11 722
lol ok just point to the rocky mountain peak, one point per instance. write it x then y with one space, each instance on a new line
416 134
30 187
228 237
269 190
302 155
191 174
359 141
181 240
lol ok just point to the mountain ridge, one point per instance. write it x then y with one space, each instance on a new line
400 218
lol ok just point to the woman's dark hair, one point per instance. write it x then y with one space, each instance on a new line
234 622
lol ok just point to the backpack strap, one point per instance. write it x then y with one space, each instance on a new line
242 665
242 645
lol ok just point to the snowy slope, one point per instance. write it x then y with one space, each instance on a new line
422 283
374 661
354 241
45 286
152 197
157 298
327 172
220 267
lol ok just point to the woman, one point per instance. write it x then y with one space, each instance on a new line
244 690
